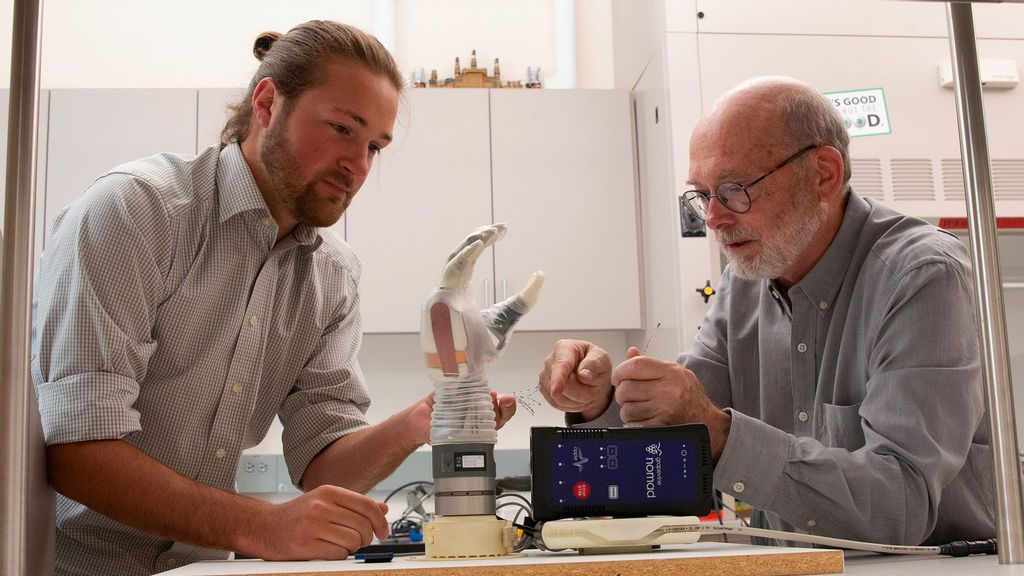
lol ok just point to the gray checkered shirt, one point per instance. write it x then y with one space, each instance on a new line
169 317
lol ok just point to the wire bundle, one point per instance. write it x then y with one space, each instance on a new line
411 519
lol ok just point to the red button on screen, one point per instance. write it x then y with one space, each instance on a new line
581 490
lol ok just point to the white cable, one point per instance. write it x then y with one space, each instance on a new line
600 533
810 539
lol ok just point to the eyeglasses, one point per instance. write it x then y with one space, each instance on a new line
735 197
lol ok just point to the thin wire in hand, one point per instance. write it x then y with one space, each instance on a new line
649 338
527 399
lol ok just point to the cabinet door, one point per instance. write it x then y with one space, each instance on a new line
429 189
563 178
91 131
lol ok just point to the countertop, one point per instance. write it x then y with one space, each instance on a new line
856 563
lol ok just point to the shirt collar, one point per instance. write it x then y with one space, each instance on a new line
239 193
238 190
823 282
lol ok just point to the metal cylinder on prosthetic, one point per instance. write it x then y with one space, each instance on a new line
459 340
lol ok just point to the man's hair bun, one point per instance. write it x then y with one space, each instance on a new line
263 43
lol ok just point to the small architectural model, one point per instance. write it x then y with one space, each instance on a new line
470 77
474 77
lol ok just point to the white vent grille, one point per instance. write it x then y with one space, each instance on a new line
1008 179
952 180
912 179
866 177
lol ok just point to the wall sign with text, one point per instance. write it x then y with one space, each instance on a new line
863 111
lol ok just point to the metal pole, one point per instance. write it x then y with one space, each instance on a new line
988 286
26 501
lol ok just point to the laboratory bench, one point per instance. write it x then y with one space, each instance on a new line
568 563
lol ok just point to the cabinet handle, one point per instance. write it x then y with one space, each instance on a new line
487 299
504 289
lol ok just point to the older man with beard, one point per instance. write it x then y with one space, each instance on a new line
838 370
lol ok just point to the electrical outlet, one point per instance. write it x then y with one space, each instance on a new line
257 474
284 481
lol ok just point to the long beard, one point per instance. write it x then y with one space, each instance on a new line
781 244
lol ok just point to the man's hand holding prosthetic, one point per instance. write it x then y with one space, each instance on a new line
459 339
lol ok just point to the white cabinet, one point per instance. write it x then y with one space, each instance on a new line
556 165
812 17
564 180
428 190
91 131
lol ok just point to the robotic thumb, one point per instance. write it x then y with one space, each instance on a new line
531 292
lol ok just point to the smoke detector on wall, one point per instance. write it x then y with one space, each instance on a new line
993 73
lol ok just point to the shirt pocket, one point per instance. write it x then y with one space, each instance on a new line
842 426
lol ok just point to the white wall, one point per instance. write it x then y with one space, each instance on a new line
204 43
638 33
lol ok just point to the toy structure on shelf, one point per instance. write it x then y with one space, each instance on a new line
472 77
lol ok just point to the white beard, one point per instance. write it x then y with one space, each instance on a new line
781 244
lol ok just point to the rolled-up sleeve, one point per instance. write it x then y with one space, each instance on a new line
329 399
96 296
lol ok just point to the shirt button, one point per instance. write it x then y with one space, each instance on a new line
266 221
237 387
252 320
811 523
823 305
739 487
802 416
220 453
801 347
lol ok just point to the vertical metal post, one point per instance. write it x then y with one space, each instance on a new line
988 285
26 501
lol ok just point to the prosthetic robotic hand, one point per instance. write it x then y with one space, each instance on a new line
459 340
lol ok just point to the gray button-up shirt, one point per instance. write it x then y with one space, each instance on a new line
879 345
169 316
857 403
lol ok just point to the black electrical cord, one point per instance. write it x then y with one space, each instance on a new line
523 506
407 485
969 547
513 484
